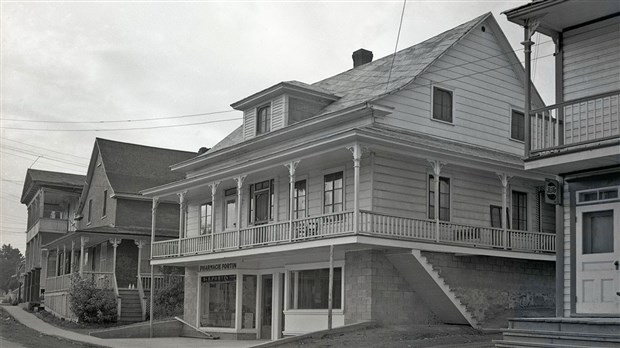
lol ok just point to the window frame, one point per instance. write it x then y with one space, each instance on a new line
514 211
271 189
430 186
296 199
512 112
289 269
227 198
208 219
257 129
90 210
323 206
105 204
495 206
452 94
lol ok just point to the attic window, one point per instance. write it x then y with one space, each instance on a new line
263 119
483 29
442 104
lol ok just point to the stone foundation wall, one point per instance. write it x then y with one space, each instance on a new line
374 290
190 297
495 287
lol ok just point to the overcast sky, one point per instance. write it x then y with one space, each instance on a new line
95 61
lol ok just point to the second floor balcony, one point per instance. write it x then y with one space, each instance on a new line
369 224
575 135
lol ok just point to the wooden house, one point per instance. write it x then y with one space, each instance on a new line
397 184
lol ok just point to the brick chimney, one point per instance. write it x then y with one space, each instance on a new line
361 57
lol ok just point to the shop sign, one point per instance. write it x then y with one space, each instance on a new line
219 279
218 267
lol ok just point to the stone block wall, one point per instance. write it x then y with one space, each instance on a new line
374 290
493 287
190 299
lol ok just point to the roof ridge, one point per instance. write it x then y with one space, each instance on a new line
97 139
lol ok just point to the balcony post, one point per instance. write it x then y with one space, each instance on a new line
83 241
504 180
64 258
182 210
529 30
72 262
356 150
140 244
239 180
152 292
115 242
213 186
42 203
436 165
291 197
57 270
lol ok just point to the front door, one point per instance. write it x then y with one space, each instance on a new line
266 305
598 258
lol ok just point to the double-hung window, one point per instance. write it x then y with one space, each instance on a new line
333 193
206 218
230 208
517 125
263 119
105 203
299 200
442 104
519 211
444 198
261 202
90 210
496 216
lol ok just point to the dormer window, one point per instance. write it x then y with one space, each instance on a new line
263 119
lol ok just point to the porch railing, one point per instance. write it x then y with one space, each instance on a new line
160 280
58 283
103 280
575 122
370 223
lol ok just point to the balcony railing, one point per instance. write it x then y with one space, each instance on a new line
47 225
59 283
575 122
370 223
160 280
103 280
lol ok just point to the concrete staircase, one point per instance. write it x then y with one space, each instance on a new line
131 309
561 332
429 285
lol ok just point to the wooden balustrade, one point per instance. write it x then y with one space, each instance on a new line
58 283
160 280
575 121
371 223
102 280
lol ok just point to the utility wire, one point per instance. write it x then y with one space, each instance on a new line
28 152
124 121
46 149
402 14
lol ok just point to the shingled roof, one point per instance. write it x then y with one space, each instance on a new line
367 83
36 178
131 168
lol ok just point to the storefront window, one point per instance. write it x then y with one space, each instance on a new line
218 299
310 289
249 302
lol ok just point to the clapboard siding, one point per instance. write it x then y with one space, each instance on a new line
277 113
567 253
485 88
592 59
193 220
249 123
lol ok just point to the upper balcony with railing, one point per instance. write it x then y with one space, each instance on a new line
567 128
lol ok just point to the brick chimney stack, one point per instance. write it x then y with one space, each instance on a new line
361 57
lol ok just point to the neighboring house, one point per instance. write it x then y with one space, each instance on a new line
578 140
111 241
52 199
417 184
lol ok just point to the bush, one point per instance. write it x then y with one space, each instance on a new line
168 300
90 304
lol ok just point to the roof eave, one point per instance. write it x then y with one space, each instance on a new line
279 88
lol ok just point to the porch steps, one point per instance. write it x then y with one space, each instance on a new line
561 332
429 285
131 308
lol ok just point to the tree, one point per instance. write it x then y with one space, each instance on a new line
10 258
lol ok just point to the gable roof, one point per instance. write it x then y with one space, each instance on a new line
368 82
131 168
36 178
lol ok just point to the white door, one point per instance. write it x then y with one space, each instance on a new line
598 258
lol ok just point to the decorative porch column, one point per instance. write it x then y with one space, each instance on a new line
64 258
71 261
83 241
182 212
152 292
115 242
140 244
239 180
57 269
292 166
213 187
504 180
356 150
436 165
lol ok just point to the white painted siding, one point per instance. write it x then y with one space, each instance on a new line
193 220
249 123
277 113
485 89
592 59
567 254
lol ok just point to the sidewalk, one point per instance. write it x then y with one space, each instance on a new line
31 321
